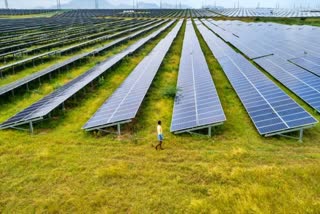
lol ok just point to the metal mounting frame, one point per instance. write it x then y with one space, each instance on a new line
191 131
284 133
30 122
101 128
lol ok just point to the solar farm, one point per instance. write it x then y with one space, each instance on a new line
237 91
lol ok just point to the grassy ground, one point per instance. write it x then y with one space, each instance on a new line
63 169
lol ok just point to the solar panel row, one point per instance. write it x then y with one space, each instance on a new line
12 65
40 109
197 103
125 102
271 109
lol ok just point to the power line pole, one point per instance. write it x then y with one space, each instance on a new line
97 4
58 5
6 4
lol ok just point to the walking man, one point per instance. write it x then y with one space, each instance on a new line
160 136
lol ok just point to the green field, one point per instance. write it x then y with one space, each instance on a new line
62 169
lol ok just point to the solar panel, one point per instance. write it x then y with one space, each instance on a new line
309 63
197 103
40 109
125 102
271 110
301 82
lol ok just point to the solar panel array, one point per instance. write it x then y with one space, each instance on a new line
96 39
125 102
40 109
271 110
197 103
139 13
294 53
301 82
261 39
15 12
267 12
43 34
21 82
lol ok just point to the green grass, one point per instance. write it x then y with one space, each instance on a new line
64 169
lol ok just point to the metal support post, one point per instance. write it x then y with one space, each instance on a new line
31 127
119 129
300 135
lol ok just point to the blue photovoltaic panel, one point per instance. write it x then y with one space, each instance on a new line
125 102
271 109
301 82
197 103
43 107
309 63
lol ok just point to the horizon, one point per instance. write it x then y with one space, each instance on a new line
90 4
